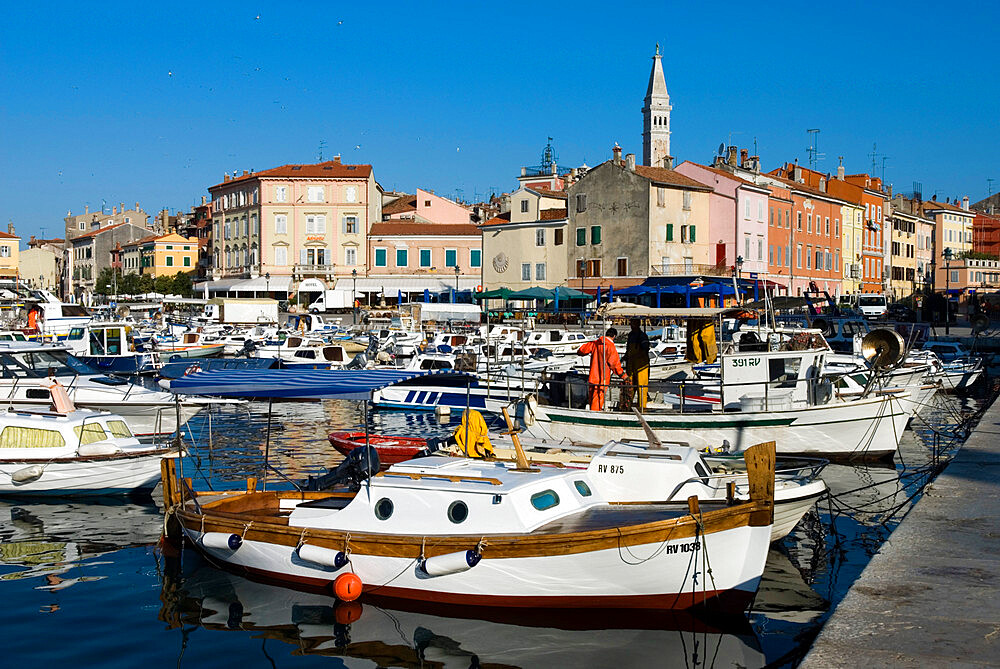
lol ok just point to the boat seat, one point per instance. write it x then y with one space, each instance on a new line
326 503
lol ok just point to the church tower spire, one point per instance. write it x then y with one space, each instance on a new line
656 117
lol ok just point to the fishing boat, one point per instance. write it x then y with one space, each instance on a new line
644 473
470 532
70 451
54 318
189 345
111 347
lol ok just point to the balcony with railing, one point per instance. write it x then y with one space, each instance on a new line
685 269
313 270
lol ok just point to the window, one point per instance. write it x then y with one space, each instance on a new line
594 268
827 225
836 259
836 227
351 256
88 433
746 247
351 194
595 234
581 203
316 224
771 216
557 235
540 237
622 266
524 206
475 258
315 194
809 223
187 261
425 257
788 256
809 255
451 257
581 236
170 261
383 508
544 500
280 255
228 227
281 193
540 271
954 276
686 202
746 209
670 232
351 225
684 234
760 212
280 225
798 256
798 220
458 512
381 257
582 488
4 251
788 222
83 226
401 258
526 271
661 196
760 247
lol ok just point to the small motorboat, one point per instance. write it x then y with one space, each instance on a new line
662 473
491 534
70 451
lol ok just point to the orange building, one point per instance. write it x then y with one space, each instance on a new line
164 256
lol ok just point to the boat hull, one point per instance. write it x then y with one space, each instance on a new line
98 475
390 449
868 428
659 575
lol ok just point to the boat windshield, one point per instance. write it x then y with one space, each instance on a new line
39 364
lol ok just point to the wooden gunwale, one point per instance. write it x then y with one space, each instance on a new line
269 529
130 455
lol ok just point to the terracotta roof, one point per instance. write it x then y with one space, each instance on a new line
545 192
7 235
392 228
499 219
400 205
330 169
94 233
551 214
932 205
664 176
724 173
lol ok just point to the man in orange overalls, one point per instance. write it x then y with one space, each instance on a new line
603 361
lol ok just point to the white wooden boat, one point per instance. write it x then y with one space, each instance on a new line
298 348
470 532
74 452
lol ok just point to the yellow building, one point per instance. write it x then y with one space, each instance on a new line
168 255
851 238
9 252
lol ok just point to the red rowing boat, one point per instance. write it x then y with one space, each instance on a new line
390 449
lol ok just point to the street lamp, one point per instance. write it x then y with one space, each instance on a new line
456 280
948 255
41 281
354 296
267 283
739 267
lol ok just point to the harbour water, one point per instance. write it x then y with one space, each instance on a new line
86 582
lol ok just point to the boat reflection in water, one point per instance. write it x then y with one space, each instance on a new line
52 539
317 624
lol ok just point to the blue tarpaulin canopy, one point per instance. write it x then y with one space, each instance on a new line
297 384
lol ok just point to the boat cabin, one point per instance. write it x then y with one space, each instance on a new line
441 495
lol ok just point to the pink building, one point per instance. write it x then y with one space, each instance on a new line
425 207
737 217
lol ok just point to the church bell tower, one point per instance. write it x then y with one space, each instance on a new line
656 118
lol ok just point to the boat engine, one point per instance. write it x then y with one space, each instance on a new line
359 465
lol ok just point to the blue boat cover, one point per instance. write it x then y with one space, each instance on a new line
294 384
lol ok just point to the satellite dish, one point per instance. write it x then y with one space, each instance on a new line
883 348
722 148
979 323
123 311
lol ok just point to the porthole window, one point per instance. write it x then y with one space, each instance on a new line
544 500
458 512
582 488
383 508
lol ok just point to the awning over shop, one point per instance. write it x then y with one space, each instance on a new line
417 284
277 284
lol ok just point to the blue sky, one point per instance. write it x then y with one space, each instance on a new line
152 103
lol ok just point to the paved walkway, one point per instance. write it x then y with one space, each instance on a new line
931 596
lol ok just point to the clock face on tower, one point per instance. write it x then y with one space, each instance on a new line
500 262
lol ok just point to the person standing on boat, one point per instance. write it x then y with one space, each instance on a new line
637 362
603 361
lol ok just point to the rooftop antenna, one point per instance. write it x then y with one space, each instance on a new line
989 186
813 151
548 156
722 148
322 145
874 155
884 159
731 133
755 146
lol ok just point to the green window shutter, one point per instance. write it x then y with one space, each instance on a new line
581 236
670 232
595 234
691 230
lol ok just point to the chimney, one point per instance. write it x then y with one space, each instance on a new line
732 156
86 208
797 174
840 172
336 159
225 177
965 203
630 161
137 207
114 210
889 189
555 170
203 200
121 205
822 184
616 154
668 162
10 228
744 154
245 173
